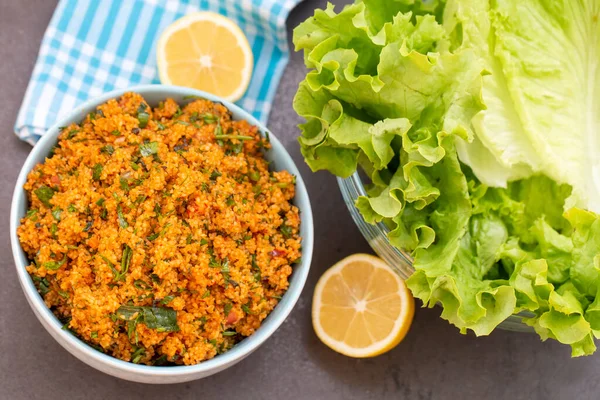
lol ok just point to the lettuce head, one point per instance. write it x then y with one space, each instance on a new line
476 122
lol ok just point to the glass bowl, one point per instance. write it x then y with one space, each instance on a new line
401 262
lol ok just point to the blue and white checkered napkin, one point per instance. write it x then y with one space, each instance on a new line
94 46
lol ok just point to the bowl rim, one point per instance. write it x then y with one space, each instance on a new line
375 234
219 362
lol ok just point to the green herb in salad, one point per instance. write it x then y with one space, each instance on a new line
45 194
161 319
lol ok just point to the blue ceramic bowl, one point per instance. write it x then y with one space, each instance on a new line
280 159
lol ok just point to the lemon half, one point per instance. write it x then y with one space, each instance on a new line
206 51
361 308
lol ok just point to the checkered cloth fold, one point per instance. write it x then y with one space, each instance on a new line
94 46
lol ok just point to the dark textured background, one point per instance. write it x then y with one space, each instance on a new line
433 362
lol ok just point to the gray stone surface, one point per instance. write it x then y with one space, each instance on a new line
433 362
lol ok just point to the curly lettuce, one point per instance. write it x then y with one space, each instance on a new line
542 92
417 94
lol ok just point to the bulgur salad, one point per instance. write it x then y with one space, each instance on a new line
159 235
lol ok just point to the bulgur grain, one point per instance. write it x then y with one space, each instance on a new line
160 235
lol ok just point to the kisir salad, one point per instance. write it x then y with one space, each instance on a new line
477 123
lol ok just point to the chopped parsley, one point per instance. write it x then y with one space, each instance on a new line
142 285
140 199
54 231
147 149
286 231
56 213
227 309
137 355
219 131
31 214
97 171
125 261
108 149
209 118
142 116
192 97
45 194
122 221
246 309
42 284
255 268
72 133
156 235
254 176
220 136
54 265
124 183
159 318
